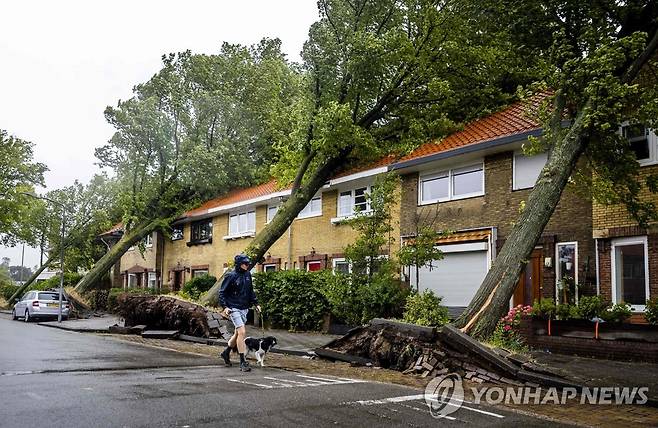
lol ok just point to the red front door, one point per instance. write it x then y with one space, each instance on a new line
527 290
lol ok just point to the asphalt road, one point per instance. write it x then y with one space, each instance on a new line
55 378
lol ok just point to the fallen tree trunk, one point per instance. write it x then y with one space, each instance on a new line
163 313
14 297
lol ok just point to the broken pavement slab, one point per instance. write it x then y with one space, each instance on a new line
160 334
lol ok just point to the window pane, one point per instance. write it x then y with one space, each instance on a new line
638 138
233 225
360 199
566 271
527 169
242 222
316 205
271 212
313 266
345 204
269 268
630 274
177 233
251 221
435 188
342 267
467 180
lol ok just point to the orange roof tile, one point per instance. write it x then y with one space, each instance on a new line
512 120
235 195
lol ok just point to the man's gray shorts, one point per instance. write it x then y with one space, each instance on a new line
238 317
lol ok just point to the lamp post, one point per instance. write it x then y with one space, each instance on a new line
61 249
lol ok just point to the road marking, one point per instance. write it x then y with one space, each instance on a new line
450 418
405 398
250 383
269 382
35 395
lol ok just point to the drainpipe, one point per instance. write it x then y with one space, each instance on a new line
596 250
290 247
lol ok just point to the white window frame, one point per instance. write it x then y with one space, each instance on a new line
308 264
132 275
515 186
620 242
558 276
304 213
652 141
269 218
248 231
182 232
148 240
335 261
269 265
152 277
352 212
450 175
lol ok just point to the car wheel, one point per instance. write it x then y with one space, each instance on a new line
13 315
27 316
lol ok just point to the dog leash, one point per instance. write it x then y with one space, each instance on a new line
262 325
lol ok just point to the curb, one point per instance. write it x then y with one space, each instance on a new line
77 330
220 342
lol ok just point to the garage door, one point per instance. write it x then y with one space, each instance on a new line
456 277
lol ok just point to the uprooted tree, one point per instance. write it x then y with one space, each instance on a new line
202 125
382 77
598 62
88 211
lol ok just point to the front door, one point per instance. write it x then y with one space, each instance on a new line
178 278
527 290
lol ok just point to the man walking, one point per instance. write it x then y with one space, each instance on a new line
237 295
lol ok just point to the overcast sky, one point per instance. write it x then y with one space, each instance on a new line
62 62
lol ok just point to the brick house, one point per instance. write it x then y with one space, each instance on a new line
627 255
473 183
206 239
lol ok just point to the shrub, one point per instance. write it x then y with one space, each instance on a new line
425 309
506 334
651 311
292 299
544 308
355 299
197 286
7 290
565 311
591 307
617 313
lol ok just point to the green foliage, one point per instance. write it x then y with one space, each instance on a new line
591 307
421 251
566 311
7 286
651 311
425 309
19 174
292 299
356 299
506 334
374 227
70 279
544 308
618 313
198 285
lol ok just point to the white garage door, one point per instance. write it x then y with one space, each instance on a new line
456 277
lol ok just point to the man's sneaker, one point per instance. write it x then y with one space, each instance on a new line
244 367
226 356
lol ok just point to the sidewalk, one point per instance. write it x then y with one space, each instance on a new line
287 342
599 372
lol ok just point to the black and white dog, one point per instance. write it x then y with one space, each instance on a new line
260 347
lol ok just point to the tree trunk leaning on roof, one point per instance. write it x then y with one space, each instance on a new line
492 298
284 217
130 238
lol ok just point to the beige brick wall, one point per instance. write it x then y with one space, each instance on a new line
316 233
605 217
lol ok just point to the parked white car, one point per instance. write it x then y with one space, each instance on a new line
40 304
